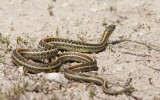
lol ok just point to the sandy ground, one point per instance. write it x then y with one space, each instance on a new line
137 58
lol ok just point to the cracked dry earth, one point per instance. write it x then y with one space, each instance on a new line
133 53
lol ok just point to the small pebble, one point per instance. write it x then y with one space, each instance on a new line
94 9
140 34
65 5
20 70
1 65
55 77
136 24
38 84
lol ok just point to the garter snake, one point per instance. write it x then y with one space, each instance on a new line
48 48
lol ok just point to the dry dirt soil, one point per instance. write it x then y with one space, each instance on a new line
132 56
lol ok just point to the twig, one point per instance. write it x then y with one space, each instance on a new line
151 67
141 55
125 40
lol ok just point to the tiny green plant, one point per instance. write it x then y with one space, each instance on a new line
64 92
68 32
26 84
149 47
36 89
121 37
50 9
43 82
50 69
60 86
57 32
9 93
25 41
78 22
27 35
150 19
112 8
12 28
47 89
118 21
0 35
130 35
150 80
4 40
104 22
19 39
149 27
85 33
7 41
130 85
80 35
110 48
54 97
5 72
117 61
91 93
49 35
1 60
20 78
17 91
103 69
34 98
155 18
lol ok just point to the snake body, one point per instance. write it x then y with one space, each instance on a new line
48 48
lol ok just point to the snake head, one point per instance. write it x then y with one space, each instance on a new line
111 28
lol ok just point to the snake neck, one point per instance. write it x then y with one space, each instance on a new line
109 30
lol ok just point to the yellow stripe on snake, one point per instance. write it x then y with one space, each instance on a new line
48 48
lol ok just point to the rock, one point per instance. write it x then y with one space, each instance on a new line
20 70
38 84
1 65
55 77
94 9
140 34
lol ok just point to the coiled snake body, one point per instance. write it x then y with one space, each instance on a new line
49 47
